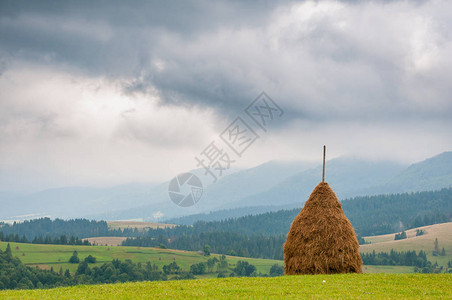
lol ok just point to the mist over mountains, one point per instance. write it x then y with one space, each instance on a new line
267 187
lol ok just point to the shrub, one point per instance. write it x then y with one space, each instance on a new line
74 258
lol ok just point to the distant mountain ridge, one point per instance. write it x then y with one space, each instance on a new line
270 186
430 174
349 178
229 188
140 200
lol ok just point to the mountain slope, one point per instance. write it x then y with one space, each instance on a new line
227 189
431 174
273 184
425 242
347 176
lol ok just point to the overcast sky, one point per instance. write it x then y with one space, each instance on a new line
105 93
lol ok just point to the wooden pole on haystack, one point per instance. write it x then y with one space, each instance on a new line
324 154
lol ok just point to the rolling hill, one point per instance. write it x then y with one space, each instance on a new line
430 174
270 186
350 177
346 175
141 200
425 242
229 188
57 256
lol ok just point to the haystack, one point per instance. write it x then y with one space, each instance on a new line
321 239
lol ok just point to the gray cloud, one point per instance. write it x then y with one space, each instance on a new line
223 54
115 38
326 63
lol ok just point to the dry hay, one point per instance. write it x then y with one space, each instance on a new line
321 239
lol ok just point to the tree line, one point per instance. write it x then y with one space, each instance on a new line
404 258
61 240
383 214
262 236
394 258
259 236
229 243
81 228
370 215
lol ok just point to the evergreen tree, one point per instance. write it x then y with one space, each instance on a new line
90 259
244 268
211 264
400 236
198 269
8 250
276 270
74 258
172 268
436 247
83 269
206 250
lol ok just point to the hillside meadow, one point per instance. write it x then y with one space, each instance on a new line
339 286
425 242
57 256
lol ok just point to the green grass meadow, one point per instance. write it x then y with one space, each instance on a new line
56 256
340 286
392 282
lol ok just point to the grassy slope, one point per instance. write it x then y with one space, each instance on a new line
424 242
47 256
394 286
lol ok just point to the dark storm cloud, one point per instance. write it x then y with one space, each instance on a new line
119 39
112 37
322 60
